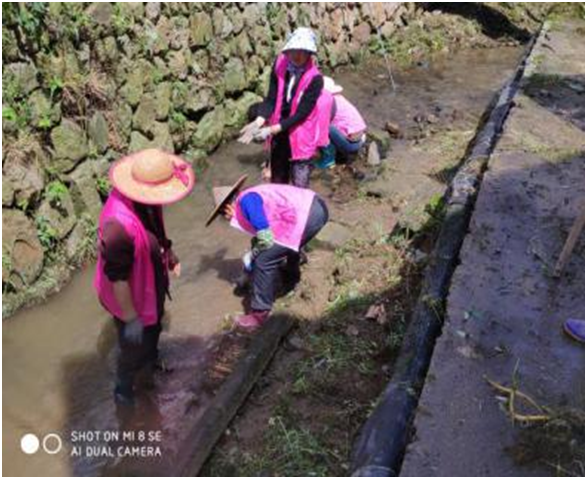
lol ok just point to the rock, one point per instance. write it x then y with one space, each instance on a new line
373 158
333 236
132 90
177 64
352 330
376 312
237 110
43 113
362 33
338 51
388 29
432 119
98 132
59 214
10 50
22 253
376 13
209 131
162 33
74 243
237 20
199 99
222 24
85 196
241 46
234 75
200 63
252 14
201 29
70 145
24 169
145 114
20 78
179 36
295 342
138 142
7 192
381 138
100 13
123 121
134 10
393 129
161 138
253 66
153 10
162 100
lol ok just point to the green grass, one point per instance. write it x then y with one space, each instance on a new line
409 44
290 451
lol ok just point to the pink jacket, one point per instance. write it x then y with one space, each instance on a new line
347 119
287 209
142 279
312 133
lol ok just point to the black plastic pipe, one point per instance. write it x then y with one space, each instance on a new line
380 447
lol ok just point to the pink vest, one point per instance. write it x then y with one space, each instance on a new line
142 279
347 119
287 209
312 133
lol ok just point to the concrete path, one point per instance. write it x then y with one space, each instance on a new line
505 309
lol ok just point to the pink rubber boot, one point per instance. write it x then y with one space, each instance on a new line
252 321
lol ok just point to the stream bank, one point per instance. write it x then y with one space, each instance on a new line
69 352
85 83
356 296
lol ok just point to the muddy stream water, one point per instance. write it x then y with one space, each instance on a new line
58 358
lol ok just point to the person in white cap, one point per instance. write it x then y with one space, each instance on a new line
347 128
295 114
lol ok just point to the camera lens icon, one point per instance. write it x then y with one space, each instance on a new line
30 443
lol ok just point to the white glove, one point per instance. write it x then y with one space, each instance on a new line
248 131
262 134
248 261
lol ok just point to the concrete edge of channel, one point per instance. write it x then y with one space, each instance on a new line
380 446
208 430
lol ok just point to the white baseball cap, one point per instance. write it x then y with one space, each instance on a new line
301 39
331 86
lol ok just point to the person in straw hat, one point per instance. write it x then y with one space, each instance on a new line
348 128
135 256
281 219
295 115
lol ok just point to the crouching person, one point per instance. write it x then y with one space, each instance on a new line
135 256
347 128
281 219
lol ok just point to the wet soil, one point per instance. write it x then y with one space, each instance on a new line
65 348
353 304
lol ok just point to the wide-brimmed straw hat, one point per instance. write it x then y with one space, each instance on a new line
224 195
301 39
153 177
331 86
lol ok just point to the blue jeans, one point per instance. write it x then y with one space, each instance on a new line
342 143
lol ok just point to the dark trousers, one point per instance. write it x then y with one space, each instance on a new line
285 171
268 262
136 358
